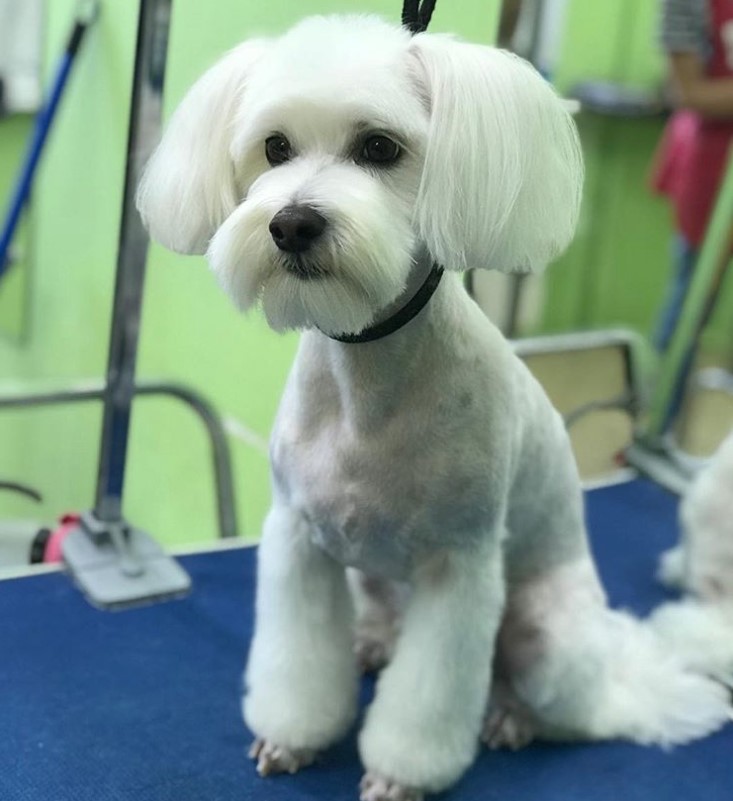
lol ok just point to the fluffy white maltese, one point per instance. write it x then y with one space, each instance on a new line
702 565
703 561
325 173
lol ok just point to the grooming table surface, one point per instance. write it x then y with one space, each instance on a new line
142 705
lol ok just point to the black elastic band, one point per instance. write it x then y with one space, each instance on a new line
416 15
77 34
400 318
37 552
86 16
416 18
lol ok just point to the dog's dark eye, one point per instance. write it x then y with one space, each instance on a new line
380 149
277 149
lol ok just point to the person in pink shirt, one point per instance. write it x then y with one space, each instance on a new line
697 36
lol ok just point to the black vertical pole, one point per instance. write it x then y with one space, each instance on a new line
143 132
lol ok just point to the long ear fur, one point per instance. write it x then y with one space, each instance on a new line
188 188
503 173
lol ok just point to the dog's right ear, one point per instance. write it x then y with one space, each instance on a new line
503 175
188 188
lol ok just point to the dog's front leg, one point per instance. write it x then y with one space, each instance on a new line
422 730
301 680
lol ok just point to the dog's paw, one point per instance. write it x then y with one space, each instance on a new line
372 654
272 759
376 788
507 727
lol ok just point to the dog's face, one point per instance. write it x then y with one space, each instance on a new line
313 167
329 142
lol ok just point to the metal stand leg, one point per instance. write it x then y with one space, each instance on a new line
516 287
113 563
86 391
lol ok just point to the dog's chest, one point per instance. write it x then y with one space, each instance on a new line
379 502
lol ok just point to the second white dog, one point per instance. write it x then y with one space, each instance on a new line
325 173
703 562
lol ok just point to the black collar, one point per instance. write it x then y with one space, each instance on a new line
401 317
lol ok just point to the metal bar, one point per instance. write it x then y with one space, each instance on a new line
703 288
661 466
626 342
516 287
220 452
625 402
575 341
144 127
537 9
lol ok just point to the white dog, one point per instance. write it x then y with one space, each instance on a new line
703 562
325 173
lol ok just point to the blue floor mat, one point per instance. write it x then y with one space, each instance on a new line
142 705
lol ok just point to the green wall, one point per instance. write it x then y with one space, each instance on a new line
190 331
616 271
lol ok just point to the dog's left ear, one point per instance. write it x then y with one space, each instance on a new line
502 181
189 185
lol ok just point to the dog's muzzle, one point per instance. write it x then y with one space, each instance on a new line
295 229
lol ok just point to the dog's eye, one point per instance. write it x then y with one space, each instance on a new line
380 149
277 149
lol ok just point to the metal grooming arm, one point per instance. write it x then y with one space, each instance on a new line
114 564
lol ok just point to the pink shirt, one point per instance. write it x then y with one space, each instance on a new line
694 149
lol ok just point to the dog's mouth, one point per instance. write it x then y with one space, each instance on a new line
303 268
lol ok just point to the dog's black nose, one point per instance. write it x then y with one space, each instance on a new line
296 228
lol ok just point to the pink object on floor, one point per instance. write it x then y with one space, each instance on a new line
58 535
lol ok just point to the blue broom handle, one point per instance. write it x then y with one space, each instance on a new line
44 120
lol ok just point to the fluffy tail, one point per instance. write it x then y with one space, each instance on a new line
662 678
605 675
699 634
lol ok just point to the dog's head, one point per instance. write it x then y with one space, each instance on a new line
312 168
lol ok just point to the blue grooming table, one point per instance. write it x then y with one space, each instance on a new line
143 705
